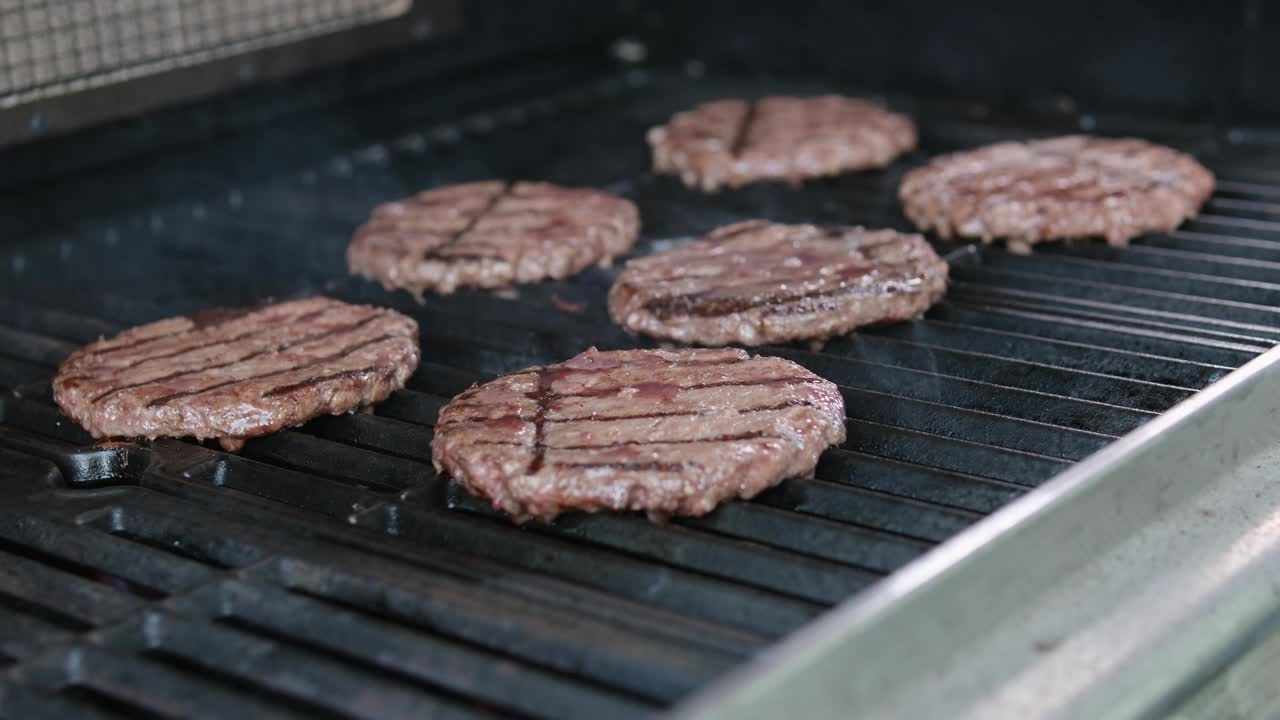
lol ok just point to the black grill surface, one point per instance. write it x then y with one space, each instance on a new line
328 572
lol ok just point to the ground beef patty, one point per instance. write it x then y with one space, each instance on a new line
234 374
1067 187
759 282
664 431
735 142
491 234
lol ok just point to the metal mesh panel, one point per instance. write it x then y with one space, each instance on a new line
53 47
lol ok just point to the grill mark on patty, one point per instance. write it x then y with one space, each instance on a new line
473 257
739 437
673 413
233 339
742 136
624 466
574 419
457 236
542 397
616 418
710 363
478 420
561 372
434 198
1043 183
309 382
848 266
750 382
351 327
779 406
318 361
842 247
634 416
203 320
665 308
213 317
735 232
138 343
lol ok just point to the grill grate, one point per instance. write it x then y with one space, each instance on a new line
54 47
326 571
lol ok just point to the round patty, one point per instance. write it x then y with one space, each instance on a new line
735 142
760 282
1066 187
234 374
491 234
664 431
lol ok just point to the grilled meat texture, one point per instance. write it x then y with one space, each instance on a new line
758 282
1067 187
234 374
662 431
735 142
491 234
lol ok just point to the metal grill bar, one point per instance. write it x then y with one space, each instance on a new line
75 602
1145 337
456 668
135 686
117 558
148 522
278 667
22 636
916 482
1042 284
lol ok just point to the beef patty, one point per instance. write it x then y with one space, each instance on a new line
1066 187
664 431
735 142
758 282
234 374
491 234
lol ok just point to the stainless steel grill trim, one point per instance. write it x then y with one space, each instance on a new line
1172 526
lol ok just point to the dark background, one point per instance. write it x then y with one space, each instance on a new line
1202 62
1204 59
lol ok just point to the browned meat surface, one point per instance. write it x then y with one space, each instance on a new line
491 234
663 431
759 282
735 142
1067 187
234 374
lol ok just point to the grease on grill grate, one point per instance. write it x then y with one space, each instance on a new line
326 571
